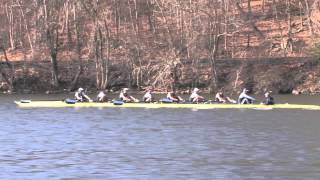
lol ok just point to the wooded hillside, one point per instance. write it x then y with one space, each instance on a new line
143 43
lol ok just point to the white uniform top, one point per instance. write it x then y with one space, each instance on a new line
122 95
219 97
194 95
79 95
101 95
148 95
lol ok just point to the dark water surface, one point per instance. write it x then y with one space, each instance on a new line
118 143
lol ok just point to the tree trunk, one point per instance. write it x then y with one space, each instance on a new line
8 77
214 44
97 58
80 66
55 71
53 44
308 12
9 14
26 27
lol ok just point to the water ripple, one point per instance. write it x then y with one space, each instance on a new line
158 144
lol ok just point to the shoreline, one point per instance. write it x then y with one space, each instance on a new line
284 77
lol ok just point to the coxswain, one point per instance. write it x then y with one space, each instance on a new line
244 98
174 97
148 98
81 96
102 97
195 97
124 96
269 100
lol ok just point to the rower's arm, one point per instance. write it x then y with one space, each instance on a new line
134 99
248 97
87 97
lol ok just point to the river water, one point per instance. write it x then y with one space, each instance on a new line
120 143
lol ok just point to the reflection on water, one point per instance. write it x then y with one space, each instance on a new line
120 143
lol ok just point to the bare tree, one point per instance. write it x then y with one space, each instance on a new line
7 75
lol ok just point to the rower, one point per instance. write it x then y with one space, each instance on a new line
124 96
195 97
244 98
174 97
81 96
102 97
148 98
269 100
222 99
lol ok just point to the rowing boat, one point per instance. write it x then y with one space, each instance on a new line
62 104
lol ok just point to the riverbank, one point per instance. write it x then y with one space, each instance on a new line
281 75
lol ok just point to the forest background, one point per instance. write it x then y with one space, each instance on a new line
60 45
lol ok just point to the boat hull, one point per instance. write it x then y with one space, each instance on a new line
61 104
